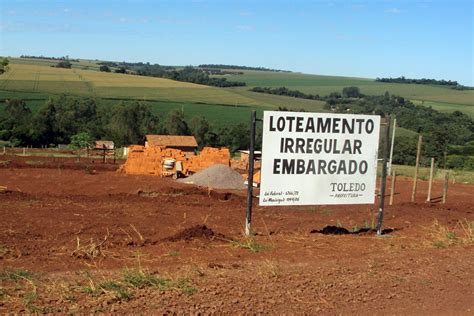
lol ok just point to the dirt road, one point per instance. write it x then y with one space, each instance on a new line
71 241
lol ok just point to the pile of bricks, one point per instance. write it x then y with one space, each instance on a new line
209 156
243 166
149 160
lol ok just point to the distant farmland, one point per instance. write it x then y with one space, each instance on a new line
35 81
44 79
323 85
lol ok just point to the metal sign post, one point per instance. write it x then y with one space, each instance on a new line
383 183
248 218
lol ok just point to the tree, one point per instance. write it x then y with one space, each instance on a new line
175 123
64 64
236 137
351 92
62 117
201 129
16 127
81 140
121 70
4 65
104 68
45 124
129 123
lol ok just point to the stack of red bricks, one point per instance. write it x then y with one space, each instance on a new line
207 157
150 160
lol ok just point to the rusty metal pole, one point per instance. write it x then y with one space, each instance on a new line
248 218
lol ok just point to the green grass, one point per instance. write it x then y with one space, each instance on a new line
447 107
35 81
16 275
249 244
462 176
47 80
82 64
218 115
323 85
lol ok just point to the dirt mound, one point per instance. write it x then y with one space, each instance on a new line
198 231
332 230
217 177
335 230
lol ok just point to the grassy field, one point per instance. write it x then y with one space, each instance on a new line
218 115
82 64
35 81
323 85
447 107
461 176
44 79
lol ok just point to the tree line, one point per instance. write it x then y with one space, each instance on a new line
49 58
442 82
347 92
62 120
186 74
286 92
449 135
223 66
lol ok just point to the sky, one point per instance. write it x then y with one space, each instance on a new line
415 39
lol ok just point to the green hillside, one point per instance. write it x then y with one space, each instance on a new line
438 97
35 81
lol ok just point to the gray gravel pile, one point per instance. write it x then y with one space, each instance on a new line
216 177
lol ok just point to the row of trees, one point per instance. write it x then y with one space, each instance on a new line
49 58
186 74
347 92
442 82
221 66
286 92
60 120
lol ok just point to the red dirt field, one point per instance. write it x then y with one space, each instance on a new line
76 242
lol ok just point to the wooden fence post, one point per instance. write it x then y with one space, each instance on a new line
430 183
417 164
392 186
445 188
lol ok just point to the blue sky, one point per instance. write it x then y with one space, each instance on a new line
432 39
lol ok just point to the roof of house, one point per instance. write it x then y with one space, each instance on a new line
101 143
171 140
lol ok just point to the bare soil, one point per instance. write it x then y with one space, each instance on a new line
74 241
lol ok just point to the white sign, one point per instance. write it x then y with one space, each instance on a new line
318 158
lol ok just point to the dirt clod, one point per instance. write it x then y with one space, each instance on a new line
198 231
